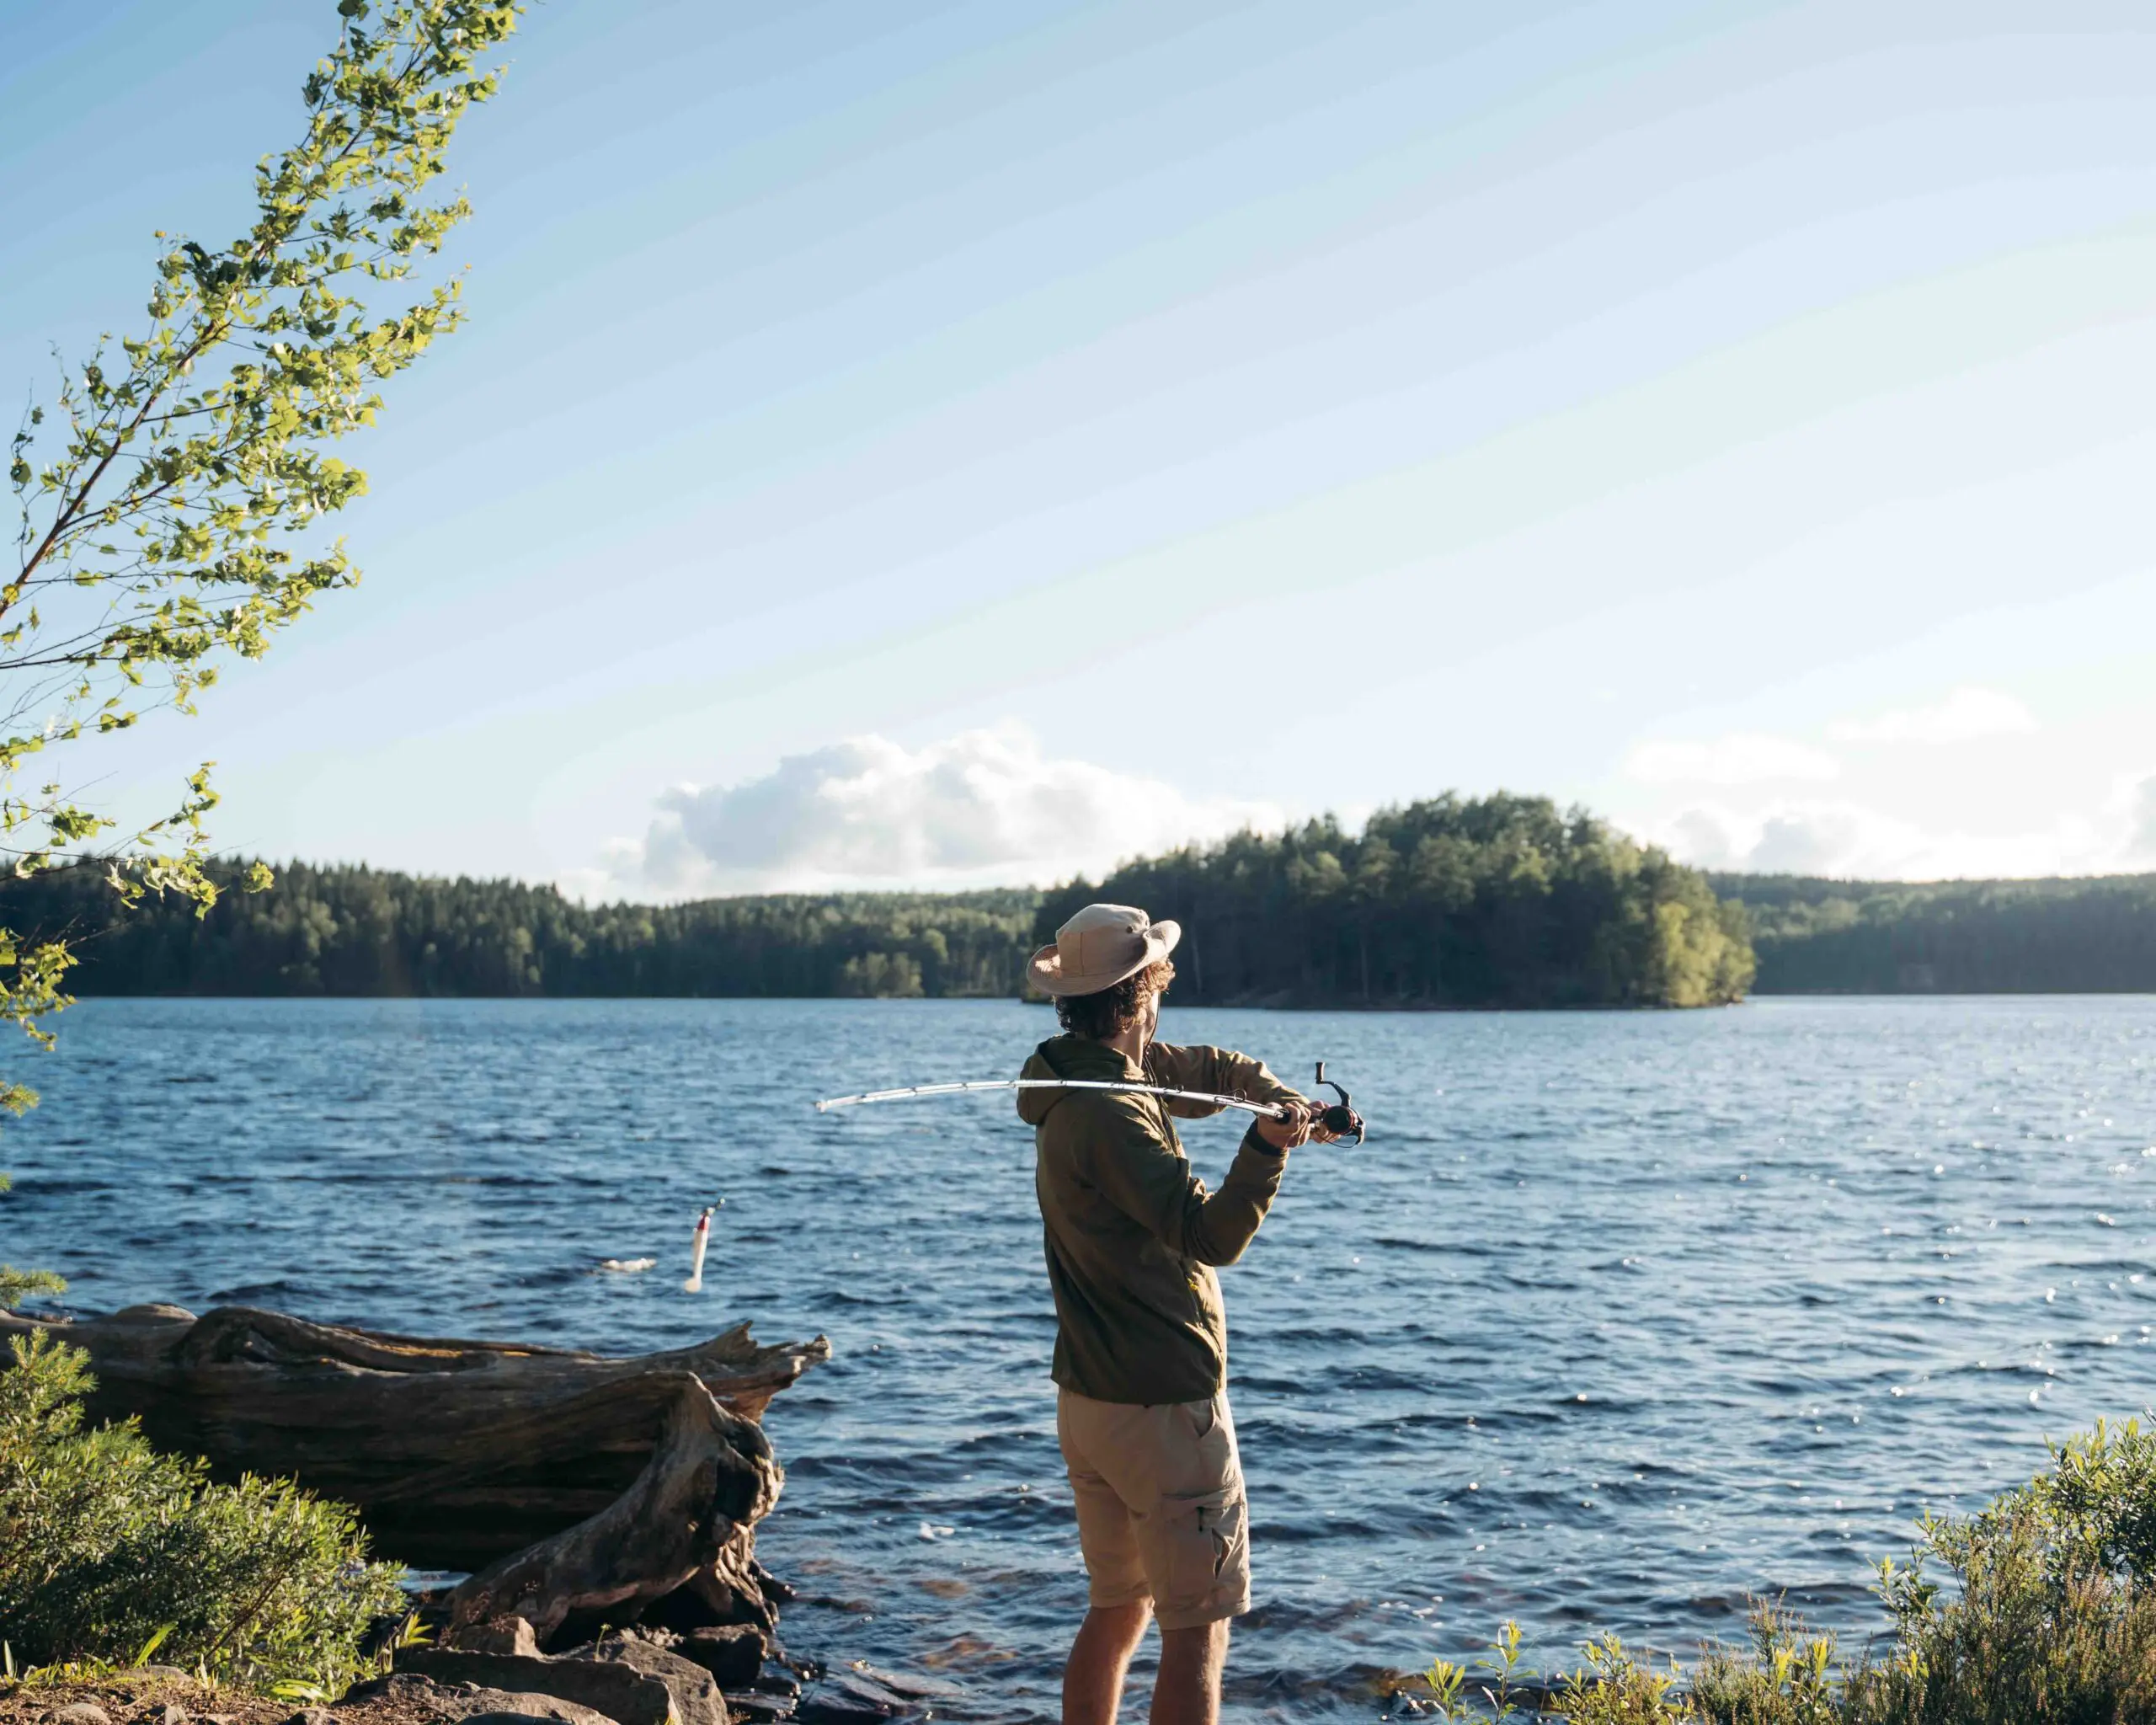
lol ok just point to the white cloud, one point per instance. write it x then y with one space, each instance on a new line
2141 818
985 806
1849 840
1966 713
1741 758
1701 837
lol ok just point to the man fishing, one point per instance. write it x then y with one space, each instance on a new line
1141 1340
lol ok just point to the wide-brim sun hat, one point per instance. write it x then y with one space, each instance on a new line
1101 945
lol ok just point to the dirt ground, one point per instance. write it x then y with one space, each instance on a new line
141 1698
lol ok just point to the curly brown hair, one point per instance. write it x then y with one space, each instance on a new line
1105 1014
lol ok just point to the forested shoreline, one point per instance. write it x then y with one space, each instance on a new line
1497 901
2091 936
1500 901
354 930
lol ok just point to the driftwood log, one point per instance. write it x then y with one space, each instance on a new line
693 1509
573 1483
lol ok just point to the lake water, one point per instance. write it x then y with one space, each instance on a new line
1616 1318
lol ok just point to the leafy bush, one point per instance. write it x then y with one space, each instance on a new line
104 1542
1614 1689
2048 1617
1784 1678
18 1286
2053 1617
1499 1685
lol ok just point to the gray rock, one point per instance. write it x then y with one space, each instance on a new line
856 1685
499 1635
501 1718
757 1709
844 1697
733 1655
634 1632
409 1691
833 1707
696 1698
305 1715
862 1694
533 1706
79 1713
172 1713
910 1687
402 1689
620 1692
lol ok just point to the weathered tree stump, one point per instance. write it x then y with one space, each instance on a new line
625 1477
710 1477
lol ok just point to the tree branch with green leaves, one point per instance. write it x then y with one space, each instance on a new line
18 1286
170 507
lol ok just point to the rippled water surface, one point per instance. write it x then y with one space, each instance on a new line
1615 1317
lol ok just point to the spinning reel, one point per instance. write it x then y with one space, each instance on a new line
1340 1117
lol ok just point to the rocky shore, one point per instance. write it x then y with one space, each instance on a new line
637 1677
603 1508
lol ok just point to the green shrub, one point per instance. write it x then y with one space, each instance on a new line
2051 1617
18 1286
2045 1616
1614 1689
1499 1685
104 1542
1784 1678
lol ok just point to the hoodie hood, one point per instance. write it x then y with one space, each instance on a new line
1069 1057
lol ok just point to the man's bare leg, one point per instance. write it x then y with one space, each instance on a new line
1092 1677
1188 1691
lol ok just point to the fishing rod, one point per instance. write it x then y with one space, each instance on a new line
1339 1118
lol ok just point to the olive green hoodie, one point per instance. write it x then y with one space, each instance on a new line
1132 1234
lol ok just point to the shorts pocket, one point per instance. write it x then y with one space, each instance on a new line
1204 1418
1208 1535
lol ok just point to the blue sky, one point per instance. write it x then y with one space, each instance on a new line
916 444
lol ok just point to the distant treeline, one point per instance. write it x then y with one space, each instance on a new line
1960 936
1500 901
357 930
1497 901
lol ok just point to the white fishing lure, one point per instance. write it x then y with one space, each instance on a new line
695 1285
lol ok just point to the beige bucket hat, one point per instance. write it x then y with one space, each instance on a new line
1100 947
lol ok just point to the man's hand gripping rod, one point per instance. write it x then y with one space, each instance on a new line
1339 1118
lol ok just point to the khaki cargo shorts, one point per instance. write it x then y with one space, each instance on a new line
1162 1512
